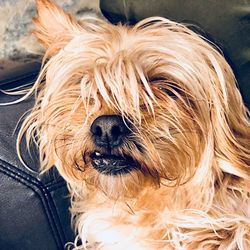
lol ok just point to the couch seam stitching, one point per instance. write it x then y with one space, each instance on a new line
45 201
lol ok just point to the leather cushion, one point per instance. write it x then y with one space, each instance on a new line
34 208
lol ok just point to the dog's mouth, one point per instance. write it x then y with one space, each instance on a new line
109 164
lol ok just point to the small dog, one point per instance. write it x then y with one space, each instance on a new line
149 130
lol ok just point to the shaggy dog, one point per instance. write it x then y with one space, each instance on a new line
149 130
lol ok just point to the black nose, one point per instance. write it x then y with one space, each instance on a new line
109 131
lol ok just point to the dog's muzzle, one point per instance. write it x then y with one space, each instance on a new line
108 133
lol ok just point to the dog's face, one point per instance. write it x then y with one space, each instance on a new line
127 108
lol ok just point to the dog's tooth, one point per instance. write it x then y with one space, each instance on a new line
97 154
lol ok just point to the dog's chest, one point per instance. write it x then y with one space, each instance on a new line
102 230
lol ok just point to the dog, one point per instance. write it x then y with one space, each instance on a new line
148 128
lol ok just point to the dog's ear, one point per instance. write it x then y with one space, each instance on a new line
230 119
53 25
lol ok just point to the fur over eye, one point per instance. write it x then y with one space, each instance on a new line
172 89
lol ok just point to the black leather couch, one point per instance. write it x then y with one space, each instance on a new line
34 209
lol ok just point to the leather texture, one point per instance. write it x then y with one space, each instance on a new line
34 208
225 22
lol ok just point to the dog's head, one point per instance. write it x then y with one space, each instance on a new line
127 108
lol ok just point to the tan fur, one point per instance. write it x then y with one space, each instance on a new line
192 190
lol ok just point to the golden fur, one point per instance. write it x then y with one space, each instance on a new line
192 190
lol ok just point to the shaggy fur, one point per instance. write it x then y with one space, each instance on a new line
190 133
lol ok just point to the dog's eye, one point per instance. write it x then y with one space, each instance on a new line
170 88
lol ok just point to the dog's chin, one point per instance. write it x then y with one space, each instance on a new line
112 165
